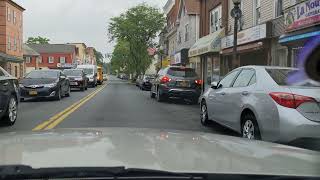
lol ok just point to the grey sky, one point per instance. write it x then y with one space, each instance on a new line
85 21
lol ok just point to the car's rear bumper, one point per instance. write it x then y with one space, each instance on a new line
181 93
146 85
294 126
76 84
41 92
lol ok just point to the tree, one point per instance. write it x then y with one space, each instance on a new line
99 57
120 56
38 40
137 27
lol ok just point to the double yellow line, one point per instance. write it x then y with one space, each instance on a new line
58 118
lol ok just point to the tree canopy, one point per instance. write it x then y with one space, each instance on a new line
99 57
38 40
134 32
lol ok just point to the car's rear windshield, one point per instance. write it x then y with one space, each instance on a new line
42 74
280 76
73 72
182 72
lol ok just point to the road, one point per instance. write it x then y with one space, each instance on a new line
117 103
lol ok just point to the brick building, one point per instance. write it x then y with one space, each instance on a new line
81 52
91 57
11 38
31 58
54 56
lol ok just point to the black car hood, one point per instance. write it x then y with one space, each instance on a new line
28 82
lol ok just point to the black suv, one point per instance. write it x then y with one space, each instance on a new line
9 92
176 82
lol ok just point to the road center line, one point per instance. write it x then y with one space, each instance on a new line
71 109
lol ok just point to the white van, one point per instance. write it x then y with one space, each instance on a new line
91 73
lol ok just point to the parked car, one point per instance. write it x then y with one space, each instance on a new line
138 80
105 77
9 95
145 83
176 82
91 72
257 102
44 83
77 78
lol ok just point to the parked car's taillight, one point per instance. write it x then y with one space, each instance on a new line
165 79
290 100
199 82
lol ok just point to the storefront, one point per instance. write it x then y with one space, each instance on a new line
254 48
205 55
302 24
13 65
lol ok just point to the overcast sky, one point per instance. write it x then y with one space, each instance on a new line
85 21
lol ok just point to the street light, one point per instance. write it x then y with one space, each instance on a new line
236 13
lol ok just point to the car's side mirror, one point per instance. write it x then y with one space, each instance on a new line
214 85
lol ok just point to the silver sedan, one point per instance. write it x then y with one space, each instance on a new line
257 102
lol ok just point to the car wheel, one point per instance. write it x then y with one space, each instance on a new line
204 114
58 95
152 95
21 99
12 112
160 97
250 128
68 92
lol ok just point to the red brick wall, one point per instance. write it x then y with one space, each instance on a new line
205 8
45 62
32 62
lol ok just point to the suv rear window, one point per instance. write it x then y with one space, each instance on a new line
182 72
280 76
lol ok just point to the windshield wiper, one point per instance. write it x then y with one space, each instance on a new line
27 172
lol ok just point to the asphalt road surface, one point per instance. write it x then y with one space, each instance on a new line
117 103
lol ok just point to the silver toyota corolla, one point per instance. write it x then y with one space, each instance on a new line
257 102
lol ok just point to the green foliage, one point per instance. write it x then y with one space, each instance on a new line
99 57
38 40
134 31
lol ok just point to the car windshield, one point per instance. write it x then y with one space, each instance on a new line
182 72
72 72
280 76
87 71
201 86
42 75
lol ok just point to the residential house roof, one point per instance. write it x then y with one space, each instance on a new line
192 6
53 48
28 51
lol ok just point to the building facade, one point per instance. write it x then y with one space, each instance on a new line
11 38
81 53
91 57
55 56
187 31
31 58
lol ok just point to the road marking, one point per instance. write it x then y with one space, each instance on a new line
51 123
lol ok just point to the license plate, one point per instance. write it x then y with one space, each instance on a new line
73 83
183 83
33 93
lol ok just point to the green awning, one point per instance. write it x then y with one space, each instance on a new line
208 44
8 58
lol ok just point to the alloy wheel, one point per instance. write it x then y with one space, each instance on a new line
12 110
248 130
204 115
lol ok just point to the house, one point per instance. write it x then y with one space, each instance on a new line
11 38
188 22
81 53
31 58
55 56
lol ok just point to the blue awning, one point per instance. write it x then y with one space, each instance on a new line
290 38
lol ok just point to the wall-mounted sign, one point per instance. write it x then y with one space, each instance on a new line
249 35
302 15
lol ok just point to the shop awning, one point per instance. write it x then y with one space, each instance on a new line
207 44
290 38
9 58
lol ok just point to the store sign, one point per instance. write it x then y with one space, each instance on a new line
65 65
302 15
249 35
177 58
